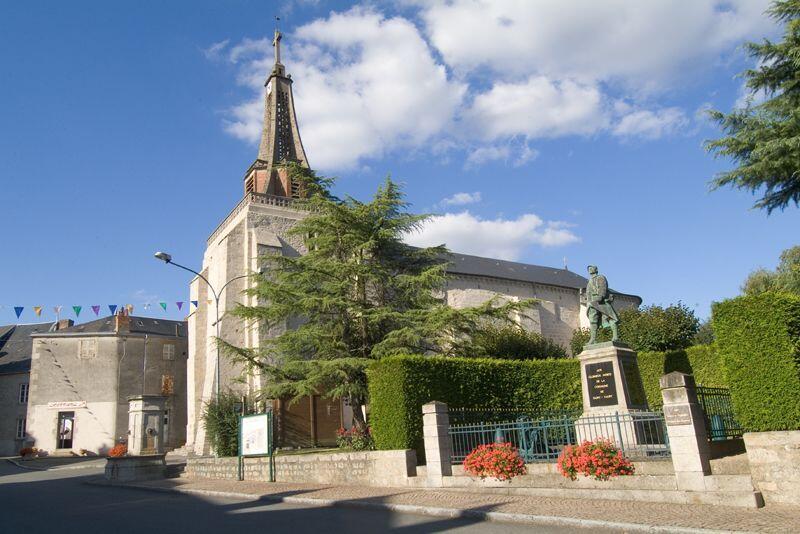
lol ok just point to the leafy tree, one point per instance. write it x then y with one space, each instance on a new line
652 328
511 343
705 333
358 294
785 278
762 138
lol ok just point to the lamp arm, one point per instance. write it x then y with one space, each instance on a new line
200 275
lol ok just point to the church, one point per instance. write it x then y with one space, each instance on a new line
257 226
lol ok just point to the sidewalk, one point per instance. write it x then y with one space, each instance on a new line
628 516
58 462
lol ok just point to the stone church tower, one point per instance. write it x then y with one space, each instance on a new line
254 228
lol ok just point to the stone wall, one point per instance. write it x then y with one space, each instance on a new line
372 468
775 465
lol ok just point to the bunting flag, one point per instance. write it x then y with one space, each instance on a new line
194 302
77 310
179 304
18 310
37 310
129 309
112 308
96 310
163 305
57 309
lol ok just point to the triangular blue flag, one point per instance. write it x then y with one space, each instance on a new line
18 310
112 308
194 303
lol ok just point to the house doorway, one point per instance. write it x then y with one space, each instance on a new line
66 429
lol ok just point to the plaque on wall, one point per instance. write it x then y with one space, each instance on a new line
677 415
602 387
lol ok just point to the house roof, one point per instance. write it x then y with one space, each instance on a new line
524 272
16 346
139 325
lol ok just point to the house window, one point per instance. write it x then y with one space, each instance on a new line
169 351
87 349
21 427
23 393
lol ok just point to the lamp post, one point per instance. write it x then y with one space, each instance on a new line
167 258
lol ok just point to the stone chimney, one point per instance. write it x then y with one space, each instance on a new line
122 322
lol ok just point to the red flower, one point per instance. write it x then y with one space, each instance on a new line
497 460
599 459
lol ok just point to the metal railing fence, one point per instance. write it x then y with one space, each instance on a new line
637 434
721 422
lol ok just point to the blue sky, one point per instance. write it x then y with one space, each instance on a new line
537 131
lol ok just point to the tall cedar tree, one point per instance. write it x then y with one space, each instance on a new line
358 294
763 139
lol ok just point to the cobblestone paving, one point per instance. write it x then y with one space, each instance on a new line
773 518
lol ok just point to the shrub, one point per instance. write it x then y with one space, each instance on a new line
496 460
599 459
221 419
705 333
357 439
702 361
120 449
758 338
651 328
512 343
400 385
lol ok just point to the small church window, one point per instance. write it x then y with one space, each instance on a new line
169 351
21 427
23 393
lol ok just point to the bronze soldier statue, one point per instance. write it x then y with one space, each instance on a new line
598 305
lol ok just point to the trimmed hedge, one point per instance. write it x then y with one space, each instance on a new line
758 338
400 385
702 361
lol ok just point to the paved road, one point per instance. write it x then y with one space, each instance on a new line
59 502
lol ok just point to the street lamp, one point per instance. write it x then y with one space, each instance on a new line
167 258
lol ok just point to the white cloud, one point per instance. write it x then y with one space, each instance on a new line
461 199
537 107
644 43
647 124
496 238
501 74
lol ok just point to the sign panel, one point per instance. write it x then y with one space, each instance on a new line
66 405
602 387
255 435
677 415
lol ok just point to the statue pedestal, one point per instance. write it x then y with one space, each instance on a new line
613 396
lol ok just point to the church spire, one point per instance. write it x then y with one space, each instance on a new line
280 137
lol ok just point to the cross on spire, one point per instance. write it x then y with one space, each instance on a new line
276 43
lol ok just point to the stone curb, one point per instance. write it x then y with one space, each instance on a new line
22 465
453 513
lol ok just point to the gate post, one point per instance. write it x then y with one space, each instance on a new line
686 427
436 436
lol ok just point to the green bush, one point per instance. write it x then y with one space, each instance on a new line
511 343
221 419
702 361
652 328
400 385
759 341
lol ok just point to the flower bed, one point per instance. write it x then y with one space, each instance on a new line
118 450
599 459
497 460
357 439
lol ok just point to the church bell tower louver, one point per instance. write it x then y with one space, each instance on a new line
280 137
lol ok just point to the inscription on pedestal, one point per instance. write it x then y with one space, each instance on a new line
602 387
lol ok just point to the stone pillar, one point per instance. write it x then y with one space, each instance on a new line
686 428
146 425
435 431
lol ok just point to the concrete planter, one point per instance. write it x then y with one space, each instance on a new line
774 459
135 468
